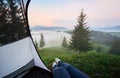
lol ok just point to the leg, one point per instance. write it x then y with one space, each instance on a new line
60 72
74 72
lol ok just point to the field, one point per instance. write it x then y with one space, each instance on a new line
96 65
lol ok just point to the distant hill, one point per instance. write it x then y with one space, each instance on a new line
113 28
54 28
108 29
101 37
115 33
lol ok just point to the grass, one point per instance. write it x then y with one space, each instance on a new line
104 48
49 54
96 65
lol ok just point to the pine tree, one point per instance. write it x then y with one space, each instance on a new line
12 21
36 43
3 13
42 42
64 43
115 46
3 22
16 20
99 49
80 40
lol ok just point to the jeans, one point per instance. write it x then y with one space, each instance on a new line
65 70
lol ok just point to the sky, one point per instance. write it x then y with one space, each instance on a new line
100 13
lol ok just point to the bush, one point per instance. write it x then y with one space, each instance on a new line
96 65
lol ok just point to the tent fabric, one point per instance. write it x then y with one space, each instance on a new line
16 55
22 71
37 60
19 57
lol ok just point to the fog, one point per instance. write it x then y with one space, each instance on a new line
51 38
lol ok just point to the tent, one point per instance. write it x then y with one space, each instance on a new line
18 55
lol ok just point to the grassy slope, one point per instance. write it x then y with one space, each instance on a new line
115 33
96 65
49 54
104 48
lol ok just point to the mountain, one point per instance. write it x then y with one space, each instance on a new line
113 28
108 29
115 33
54 28
102 37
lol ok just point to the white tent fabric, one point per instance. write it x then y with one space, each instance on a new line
16 55
37 60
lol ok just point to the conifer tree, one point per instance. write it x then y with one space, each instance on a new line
80 40
3 13
36 43
99 49
12 21
3 22
42 42
115 46
64 43
16 20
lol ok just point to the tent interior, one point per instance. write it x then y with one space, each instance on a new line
18 55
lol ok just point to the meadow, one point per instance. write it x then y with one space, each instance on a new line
95 64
